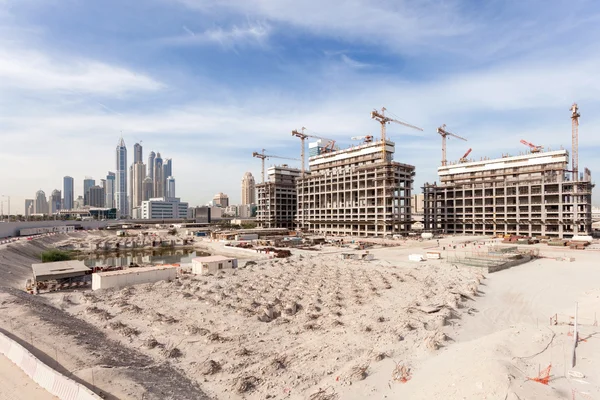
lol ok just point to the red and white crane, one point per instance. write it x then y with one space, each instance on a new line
533 148
464 157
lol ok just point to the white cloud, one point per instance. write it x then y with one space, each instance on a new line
33 70
396 23
249 34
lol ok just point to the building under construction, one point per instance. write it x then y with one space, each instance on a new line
358 191
534 194
277 198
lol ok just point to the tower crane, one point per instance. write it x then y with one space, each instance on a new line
264 156
366 138
575 141
444 134
383 120
464 157
303 136
533 147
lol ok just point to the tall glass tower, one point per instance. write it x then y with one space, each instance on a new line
121 179
68 192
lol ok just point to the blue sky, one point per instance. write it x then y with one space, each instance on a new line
208 82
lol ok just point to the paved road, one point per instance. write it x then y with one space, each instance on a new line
15 385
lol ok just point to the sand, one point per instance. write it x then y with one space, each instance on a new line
317 327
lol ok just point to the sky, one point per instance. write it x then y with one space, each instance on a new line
206 83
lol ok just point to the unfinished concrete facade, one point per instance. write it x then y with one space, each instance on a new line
531 195
354 192
277 198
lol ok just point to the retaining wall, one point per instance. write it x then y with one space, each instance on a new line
54 382
8 229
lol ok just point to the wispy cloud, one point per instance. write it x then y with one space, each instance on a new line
397 24
232 37
33 70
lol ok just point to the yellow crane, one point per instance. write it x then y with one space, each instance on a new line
444 133
575 141
303 136
383 120
264 156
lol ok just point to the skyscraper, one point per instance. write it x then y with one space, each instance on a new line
147 189
150 171
137 183
170 187
110 190
41 204
69 193
88 182
159 180
96 196
55 201
29 208
121 179
248 189
167 172
221 200
137 153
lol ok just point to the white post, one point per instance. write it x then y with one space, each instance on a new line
575 338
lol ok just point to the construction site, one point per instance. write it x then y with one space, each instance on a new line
533 195
361 191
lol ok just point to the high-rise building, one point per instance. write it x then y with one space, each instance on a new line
137 153
55 201
221 200
277 200
96 197
29 208
248 189
68 192
109 192
159 180
147 189
41 204
150 170
137 184
121 179
170 187
88 182
167 172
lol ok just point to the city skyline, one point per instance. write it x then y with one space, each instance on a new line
490 79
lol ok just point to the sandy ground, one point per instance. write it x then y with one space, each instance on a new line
279 327
15 385
317 327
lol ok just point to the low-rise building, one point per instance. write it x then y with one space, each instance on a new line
164 208
133 276
212 264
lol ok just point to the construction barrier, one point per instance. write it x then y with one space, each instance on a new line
54 382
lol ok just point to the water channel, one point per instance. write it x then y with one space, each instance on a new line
152 257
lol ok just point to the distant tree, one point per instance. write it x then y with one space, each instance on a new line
53 255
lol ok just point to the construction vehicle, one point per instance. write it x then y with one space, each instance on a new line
463 159
383 120
264 156
366 138
533 148
328 147
444 134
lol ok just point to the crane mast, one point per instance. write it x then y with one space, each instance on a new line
575 141
263 157
302 137
444 134
383 120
